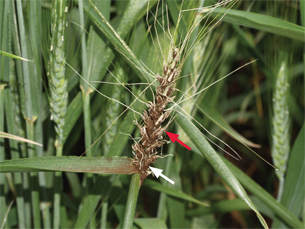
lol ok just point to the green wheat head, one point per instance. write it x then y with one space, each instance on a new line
113 111
281 122
58 83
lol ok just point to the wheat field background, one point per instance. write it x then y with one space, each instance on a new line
241 76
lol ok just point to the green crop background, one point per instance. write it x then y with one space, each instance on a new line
54 52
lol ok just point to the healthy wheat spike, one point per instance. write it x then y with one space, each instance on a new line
58 91
58 82
281 124
113 110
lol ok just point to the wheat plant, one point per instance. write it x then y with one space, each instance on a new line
99 82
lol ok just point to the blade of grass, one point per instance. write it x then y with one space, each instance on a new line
302 10
64 217
176 212
224 172
99 165
17 176
116 40
17 138
281 212
73 112
1 20
162 213
135 9
6 221
146 223
127 126
30 110
8 74
34 25
211 112
12 56
171 191
112 111
223 206
118 199
116 149
30 85
4 75
3 204
133 12
84 86
86 91
75 185
104 215
262 23
176 206
10 115
17 50
132 199
100 189
252 49
21 104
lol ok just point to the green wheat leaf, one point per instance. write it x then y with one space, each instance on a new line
224 206
14 137
216 162
171 191
116 40
293 196
12 56
146 223
100 165
280 211
218 119
262 22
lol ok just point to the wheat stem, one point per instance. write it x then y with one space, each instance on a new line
21 127
29 109
3 204
132 201
14 124
58 88
86 90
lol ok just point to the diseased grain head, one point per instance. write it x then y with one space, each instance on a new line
146 149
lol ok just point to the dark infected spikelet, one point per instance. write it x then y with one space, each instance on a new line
145 150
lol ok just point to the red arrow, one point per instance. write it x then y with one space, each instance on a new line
174 137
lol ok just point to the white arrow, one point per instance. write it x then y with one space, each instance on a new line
158 172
